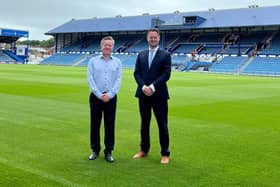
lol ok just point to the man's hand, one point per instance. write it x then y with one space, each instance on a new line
105 97
147 91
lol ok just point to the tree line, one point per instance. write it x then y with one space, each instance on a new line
38 43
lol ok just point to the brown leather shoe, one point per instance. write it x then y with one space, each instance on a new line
140 154
164 160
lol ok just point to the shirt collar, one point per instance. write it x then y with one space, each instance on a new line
102 57
155 49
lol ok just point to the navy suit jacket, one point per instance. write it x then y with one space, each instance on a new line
158 74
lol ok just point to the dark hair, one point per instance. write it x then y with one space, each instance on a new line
153 30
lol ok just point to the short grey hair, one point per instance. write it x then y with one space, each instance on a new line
107 38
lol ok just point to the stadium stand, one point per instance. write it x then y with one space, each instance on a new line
198 41
229 64
4 58
263 66
65 59
9 51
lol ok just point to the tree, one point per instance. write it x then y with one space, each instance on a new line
44 43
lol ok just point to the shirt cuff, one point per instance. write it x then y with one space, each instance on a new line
97 94
152 87
111 95
143 87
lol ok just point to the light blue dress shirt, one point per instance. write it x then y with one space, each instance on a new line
104 75
152 52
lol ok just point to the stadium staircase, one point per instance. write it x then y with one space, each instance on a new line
4 58
13 56
241 69
84 58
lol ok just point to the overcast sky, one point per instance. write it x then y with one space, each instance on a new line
40 16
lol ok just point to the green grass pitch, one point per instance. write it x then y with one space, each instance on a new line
224 131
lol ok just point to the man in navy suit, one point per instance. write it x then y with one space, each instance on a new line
152 71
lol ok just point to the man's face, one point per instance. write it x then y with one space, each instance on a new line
107 47
153 39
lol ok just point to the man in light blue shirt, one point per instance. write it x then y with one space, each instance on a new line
104 78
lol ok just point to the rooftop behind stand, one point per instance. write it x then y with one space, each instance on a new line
231 44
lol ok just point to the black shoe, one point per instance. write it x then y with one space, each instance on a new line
93 156
109 158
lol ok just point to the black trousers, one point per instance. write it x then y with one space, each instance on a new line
160 109
97 108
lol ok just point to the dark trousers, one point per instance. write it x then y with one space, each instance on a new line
160 110
97 107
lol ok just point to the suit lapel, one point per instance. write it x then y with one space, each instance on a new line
146 64
155 59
